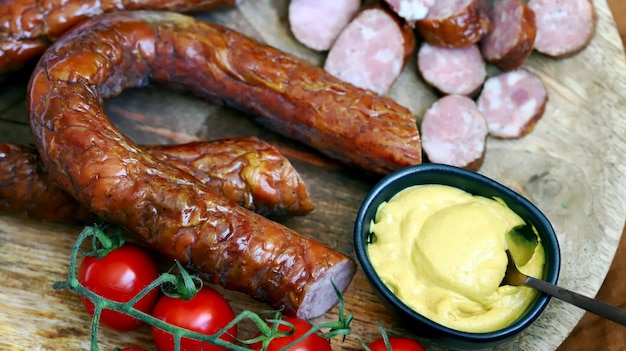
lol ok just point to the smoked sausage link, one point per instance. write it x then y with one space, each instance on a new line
27 189
247 171
166 207
27 27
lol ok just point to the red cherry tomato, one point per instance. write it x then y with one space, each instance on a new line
206 313
133 349
397 344
120 276
313 342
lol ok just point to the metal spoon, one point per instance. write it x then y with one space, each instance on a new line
514 277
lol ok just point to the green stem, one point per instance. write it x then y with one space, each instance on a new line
95 321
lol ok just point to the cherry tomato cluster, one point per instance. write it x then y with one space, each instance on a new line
120 281
125 271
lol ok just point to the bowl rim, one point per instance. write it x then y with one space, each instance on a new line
548 237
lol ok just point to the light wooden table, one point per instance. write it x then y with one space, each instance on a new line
571 166
594 333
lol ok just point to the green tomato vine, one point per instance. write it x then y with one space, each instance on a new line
184 285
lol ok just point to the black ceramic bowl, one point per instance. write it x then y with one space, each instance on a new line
476 184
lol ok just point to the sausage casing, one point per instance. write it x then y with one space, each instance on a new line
166 207
27 27
454 23
27 189
246 170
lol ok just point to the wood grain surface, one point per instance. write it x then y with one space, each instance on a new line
593 333
571 166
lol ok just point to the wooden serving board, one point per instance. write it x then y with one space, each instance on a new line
571 166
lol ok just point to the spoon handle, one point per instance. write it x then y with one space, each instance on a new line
600 308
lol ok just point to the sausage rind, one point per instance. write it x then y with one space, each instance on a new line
247 171
27 189
166 207
27 27
454 23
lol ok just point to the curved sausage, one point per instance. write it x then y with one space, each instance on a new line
372 50
563 27
27 27
247 171
411 10
454 132
166 207
285 93
512 38
459 71
455 23
318 23
512 103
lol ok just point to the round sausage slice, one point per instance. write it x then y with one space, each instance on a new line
512 103
563 27
454 132
318 23
372 50
452 70
512 38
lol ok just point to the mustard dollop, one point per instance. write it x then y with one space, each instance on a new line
442 251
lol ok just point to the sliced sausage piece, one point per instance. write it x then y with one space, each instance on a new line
455 23
512 38
458 71
245 170
317 23
512 103
454 132
411 10
372 50
564 27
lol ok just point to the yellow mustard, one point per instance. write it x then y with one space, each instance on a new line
442 250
